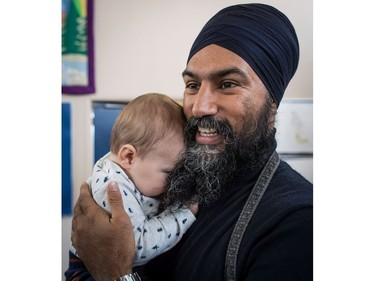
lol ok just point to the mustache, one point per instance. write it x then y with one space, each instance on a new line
221 127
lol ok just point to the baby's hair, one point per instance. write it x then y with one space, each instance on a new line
145 121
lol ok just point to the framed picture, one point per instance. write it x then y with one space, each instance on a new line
77 47
294 123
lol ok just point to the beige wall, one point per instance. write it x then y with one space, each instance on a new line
142 46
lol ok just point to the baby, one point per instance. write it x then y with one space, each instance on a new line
146 142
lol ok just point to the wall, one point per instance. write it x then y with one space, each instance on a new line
141 46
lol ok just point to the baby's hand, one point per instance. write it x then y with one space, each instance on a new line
193 207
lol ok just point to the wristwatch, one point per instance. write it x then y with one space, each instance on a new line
130 277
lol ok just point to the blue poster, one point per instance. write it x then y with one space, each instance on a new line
66 173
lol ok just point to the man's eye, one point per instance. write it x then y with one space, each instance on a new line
192 86
226 85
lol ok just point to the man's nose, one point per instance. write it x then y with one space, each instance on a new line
205 103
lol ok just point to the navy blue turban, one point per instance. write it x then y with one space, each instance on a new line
262 36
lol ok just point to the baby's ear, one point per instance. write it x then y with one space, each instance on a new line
126 155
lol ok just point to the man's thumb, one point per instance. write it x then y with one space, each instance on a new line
115 199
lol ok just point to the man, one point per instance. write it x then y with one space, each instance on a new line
255 212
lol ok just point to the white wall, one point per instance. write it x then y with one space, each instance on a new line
141 46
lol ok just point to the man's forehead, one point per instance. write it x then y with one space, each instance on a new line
216 61
215 73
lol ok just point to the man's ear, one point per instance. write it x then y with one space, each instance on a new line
126 155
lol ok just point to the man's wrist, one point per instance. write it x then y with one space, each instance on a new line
129 277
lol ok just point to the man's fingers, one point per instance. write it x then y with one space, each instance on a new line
115 200
120 219
85 200
83 193
80 207
78 210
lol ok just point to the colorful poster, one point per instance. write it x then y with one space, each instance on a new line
77 47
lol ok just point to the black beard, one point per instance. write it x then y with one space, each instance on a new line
204 171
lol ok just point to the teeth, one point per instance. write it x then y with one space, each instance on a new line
207 131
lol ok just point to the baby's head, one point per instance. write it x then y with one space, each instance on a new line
147 140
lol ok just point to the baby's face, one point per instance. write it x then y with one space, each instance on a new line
150 172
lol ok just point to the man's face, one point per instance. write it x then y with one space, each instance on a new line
229 130
221 84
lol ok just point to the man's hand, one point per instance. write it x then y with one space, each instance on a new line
104 242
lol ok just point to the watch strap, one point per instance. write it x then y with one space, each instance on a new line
129 277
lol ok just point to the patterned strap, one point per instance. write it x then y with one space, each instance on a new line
246 215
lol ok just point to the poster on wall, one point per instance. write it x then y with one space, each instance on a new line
77 47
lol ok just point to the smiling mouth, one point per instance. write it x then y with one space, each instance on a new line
207 132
